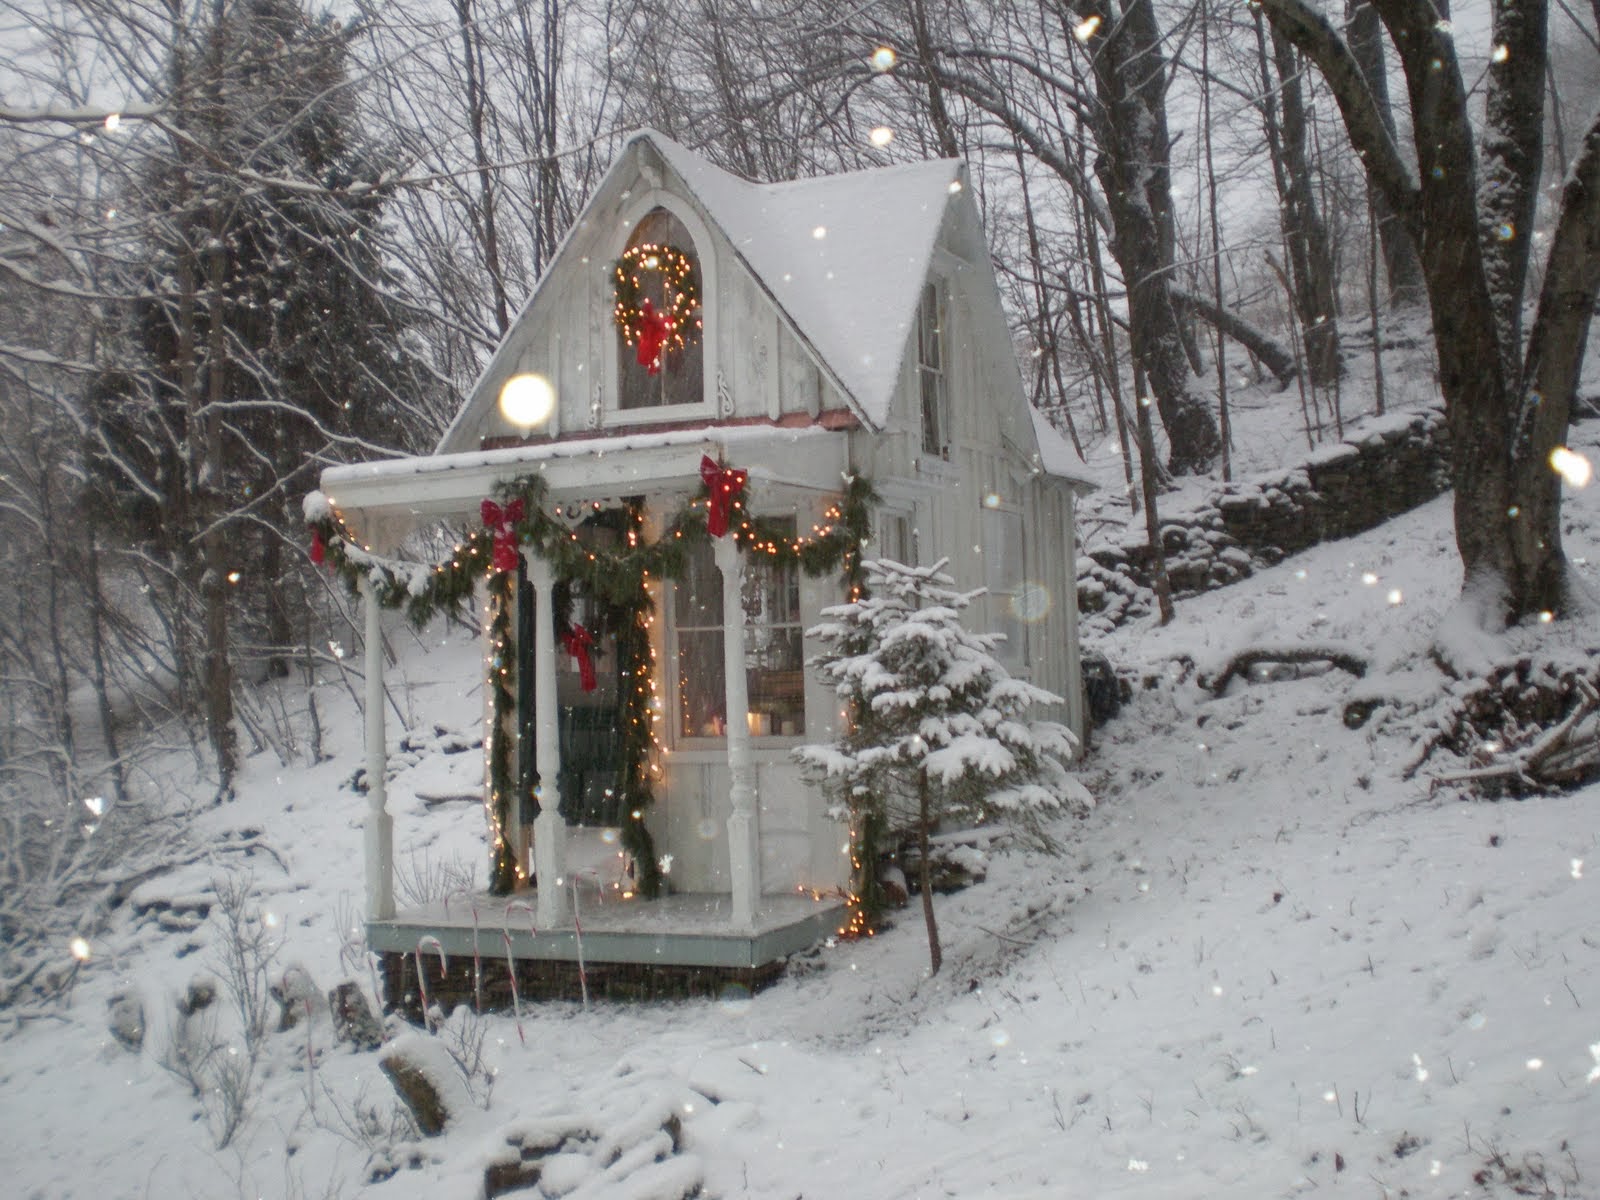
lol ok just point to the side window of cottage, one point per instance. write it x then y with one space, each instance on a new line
656 315
931 363
896 541
1004 574
773 647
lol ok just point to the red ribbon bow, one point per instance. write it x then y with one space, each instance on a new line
319 552
725 484
503 521
577 641
654 330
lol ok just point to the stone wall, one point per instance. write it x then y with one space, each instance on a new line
1386 467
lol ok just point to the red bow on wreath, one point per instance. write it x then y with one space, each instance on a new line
503 521
654 330
577 641
319 552
725 484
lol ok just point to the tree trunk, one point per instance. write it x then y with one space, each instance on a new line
485 221
1108 336
97 650
1511 154
205 436
925 870
1271 355
1310 258
1134 170
1159 579
1556 345
214 580
1224 429
1401 266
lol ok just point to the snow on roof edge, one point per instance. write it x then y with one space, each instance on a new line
538 452
1056 454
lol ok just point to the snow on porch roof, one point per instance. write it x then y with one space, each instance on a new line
443 485
845 255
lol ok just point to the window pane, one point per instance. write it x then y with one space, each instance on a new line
697 596
702 693
930 374
773 645
775 672
681 377
1004 573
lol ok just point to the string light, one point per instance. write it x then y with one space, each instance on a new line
680 286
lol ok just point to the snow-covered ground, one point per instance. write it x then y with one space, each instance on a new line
1265 965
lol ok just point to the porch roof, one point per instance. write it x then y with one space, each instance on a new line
391 498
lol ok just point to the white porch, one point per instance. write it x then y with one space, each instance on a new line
743 928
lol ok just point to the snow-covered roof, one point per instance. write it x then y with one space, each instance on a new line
845 256
1056 455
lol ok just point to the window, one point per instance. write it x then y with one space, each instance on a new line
1003 574
773 647
896 539
931 373
680 376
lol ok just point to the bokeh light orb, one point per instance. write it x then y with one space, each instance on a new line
527 400
1032 603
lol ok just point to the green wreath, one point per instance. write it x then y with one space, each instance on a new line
681 291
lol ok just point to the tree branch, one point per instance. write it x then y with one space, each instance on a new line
1345 658
1572 280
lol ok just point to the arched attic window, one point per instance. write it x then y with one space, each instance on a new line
656 282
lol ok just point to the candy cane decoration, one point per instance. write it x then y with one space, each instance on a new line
577 925
511 962
431 942
516 1000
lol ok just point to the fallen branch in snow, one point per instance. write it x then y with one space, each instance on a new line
1565 754
1344 657
1526 725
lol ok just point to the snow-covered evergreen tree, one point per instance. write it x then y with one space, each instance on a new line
938 729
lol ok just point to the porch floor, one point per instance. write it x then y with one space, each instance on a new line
694 929
639 949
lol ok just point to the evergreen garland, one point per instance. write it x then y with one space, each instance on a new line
616 577
503 858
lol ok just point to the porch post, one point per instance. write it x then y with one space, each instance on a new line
549 829
744 824
379 831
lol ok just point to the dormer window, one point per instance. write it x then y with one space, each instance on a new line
656 309
931 380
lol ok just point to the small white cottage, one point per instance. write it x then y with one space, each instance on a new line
718 389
